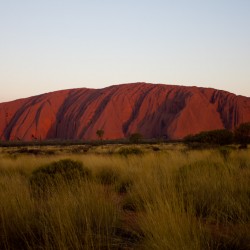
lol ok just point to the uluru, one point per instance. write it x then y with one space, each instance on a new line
154 110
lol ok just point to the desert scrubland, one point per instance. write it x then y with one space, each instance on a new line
162 196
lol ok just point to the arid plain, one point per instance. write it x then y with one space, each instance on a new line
124 196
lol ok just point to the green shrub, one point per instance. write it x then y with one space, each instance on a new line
107 176
135 138
47 177
129 151
242 134
219 137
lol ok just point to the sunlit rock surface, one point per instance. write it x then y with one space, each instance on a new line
154 110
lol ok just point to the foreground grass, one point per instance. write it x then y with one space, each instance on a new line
167 198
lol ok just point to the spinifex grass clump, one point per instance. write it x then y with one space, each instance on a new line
130 151
107 176
166 226
218 191
63 172
68 219
162 219
17 220
81 219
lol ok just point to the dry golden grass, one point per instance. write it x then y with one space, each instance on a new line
165 198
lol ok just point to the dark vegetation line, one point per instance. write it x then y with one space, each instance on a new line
60 142
241 135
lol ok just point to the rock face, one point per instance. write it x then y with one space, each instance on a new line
154 110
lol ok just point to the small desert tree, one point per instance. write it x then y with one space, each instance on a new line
100 134
242 134
135 137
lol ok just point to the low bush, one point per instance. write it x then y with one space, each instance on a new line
130 151
107 176
219 137
135 138
47 177
242 134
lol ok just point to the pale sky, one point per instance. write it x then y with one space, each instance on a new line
50 45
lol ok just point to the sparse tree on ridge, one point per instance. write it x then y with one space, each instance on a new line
100 134
242 134
135 137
